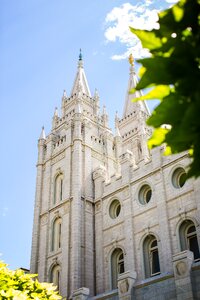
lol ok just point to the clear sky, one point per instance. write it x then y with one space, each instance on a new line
39 46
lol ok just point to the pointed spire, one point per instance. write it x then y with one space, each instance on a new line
80 79
105 116
64 94
104 110
42 135
96 102
117 133
129 105
96 94
56 112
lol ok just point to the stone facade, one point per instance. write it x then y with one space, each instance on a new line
113 220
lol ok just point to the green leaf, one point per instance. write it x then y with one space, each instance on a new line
158 137
178 12
148 38
159 92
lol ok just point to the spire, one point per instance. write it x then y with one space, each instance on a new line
96 94
42 135
80 79
96 102
56 112
64 94
105 116
117 133
129 105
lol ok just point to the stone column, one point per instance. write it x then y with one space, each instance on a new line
37 208
182 263
81 294
76 266
125 285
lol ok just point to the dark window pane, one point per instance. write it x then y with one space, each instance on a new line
193 246
155 262
154 244
182 179
118 210
148 195
121 268
191 229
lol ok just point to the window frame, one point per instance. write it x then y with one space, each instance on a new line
116 263
58 188
56 234
147 253
184 237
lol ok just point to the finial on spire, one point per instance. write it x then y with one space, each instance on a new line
131 60
80 55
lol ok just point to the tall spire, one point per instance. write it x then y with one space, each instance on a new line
42 135
130 106
80 79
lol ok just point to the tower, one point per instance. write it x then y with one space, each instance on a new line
113 220
63 231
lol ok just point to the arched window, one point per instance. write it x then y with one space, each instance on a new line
55 276
188 238
151 256
58 188
117 266
56 234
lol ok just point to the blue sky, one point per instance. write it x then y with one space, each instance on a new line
39 46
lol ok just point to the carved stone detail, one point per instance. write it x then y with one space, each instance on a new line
181 268
124 286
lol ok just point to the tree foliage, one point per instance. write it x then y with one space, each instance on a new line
16 285
173 74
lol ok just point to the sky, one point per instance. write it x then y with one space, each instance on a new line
39 49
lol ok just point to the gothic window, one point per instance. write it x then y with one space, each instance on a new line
179 178
58 188
151 256
117 266
56 234
188 238
145 194
55 276
115 208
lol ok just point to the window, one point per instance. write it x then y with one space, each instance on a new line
145 194
188 238
179 178
55 276
56 235
115 208
117 266
151 256
154 259
58 188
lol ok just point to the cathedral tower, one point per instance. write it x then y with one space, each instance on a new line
63 232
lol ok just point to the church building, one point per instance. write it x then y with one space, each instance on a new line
113 220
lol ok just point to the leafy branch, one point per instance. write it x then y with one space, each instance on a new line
173 74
